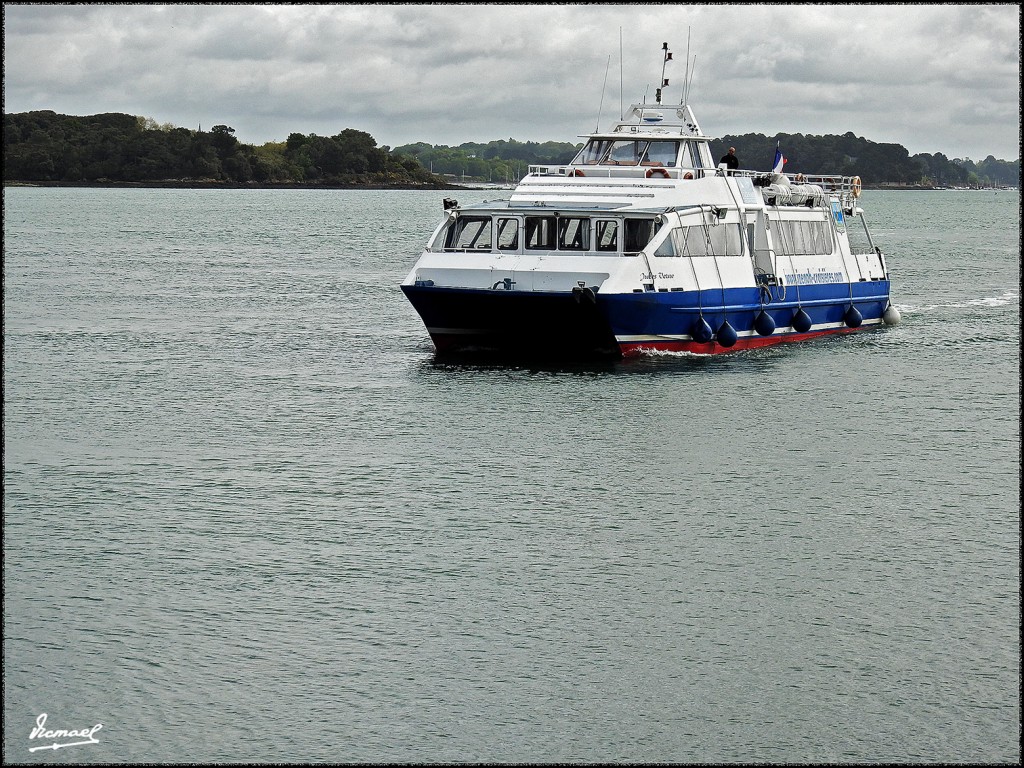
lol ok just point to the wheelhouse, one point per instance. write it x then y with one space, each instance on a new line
610 152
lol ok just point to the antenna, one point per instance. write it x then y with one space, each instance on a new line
620 73
683 95
692 71
597 127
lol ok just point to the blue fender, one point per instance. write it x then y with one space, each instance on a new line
853 318
801 321
701 331
727 335
764 324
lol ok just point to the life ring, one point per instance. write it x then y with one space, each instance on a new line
855 186
687 175
656 172
576 172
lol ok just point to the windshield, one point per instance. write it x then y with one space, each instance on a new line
629 152
592 153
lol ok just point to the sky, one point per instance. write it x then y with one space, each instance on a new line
934 78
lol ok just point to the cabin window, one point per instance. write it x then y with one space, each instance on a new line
626 152
707 240
540 232
573 234
469 233
661 153
695 151
508 234
607 235
860 237
685 160
592 153
638 233
667 247
799 238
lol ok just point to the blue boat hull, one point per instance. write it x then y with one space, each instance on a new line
581 324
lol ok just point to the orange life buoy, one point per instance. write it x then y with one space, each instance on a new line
855 186
687 175
656 171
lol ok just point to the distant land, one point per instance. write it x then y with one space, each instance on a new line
43 147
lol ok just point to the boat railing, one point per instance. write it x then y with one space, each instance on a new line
846 188
829 182
844 185
620 172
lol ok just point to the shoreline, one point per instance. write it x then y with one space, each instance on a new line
211 184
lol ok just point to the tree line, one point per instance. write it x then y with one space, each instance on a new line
43 146
497 161
850 155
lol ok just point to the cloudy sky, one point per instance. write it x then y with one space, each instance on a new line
934 78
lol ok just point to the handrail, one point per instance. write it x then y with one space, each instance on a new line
616 171
829 182
845 188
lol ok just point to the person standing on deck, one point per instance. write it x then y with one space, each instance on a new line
730 160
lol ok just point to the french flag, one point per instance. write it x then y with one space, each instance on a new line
779 160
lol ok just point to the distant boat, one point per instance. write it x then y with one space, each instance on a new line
643 243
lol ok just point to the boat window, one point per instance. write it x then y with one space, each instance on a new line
626 152
685 160
573 234
667 246
802 237
540 232
638 233
695 152
469 233
508 234
661 153
708 240
592 153
607 235
860 237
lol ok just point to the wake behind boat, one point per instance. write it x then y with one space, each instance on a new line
643 243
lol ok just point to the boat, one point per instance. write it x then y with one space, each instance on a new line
644 244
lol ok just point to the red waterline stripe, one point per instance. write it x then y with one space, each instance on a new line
714 348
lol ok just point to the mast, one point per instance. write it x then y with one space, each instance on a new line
620 74
664 83
686 73
603 87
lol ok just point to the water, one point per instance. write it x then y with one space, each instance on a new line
248 517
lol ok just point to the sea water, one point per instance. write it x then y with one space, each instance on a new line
249 516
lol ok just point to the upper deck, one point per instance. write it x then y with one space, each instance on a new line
655 141
658 155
